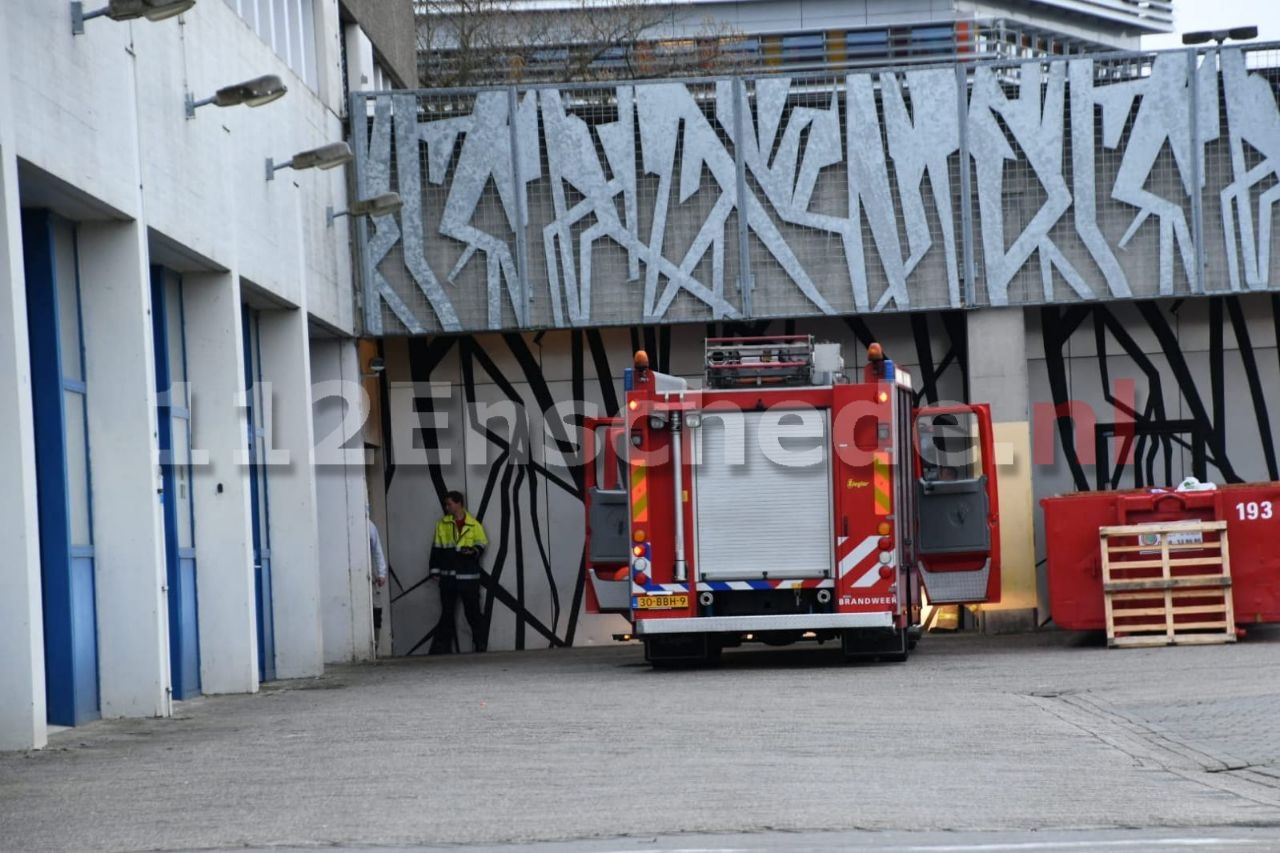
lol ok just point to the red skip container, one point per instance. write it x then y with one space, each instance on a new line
1071 522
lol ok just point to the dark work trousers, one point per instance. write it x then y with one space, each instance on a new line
451 590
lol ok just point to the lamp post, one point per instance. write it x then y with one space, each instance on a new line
378 205
127 10
324 157
1219 36
251 93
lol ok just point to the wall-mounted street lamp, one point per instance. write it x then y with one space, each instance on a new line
324 157
251 93
379 205
128 10
1233 34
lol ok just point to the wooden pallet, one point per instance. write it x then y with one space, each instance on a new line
1167 584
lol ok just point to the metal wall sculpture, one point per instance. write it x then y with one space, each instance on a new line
975 185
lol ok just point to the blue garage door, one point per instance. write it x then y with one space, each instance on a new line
58 396
174 422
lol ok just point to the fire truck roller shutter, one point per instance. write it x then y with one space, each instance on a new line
757 518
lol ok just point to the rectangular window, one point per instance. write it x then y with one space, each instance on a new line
744 49
182 481
77 467
863 44
804 49
66 271
289 27
931 40
71 343
177 352
280 30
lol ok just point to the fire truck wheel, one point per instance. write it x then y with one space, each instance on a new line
877 645
682 651
898 656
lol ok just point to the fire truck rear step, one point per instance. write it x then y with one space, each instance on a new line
756 624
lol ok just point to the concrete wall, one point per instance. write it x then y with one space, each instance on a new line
1020 361
390 26
22 699
1001 381
128 531
345 569
223 537
291 501
112 98
93 128
529 502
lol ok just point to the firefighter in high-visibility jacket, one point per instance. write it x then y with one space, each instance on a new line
455 560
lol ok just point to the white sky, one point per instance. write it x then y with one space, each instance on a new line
1192 15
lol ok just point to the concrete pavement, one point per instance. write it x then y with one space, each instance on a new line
974 734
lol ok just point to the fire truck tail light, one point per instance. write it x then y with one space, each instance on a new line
632 405
638 550
638 536
886 572
884 528
883 396
885 557
886 543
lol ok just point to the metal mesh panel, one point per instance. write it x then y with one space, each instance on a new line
1241 169
735 197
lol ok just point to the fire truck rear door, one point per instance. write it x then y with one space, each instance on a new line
958 531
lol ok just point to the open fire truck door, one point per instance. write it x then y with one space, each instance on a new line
957 521
608 539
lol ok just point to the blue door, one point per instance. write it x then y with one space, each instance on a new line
174 422
257 438
58 394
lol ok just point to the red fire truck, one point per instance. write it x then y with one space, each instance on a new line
782 502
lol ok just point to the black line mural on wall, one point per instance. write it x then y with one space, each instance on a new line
1180 415
518 491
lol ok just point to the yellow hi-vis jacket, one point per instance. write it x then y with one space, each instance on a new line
447 550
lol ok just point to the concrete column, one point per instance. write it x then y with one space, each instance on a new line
998 375
345 565
22 702
295 553
220 488
128 528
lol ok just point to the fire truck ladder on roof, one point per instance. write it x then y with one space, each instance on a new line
759 361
